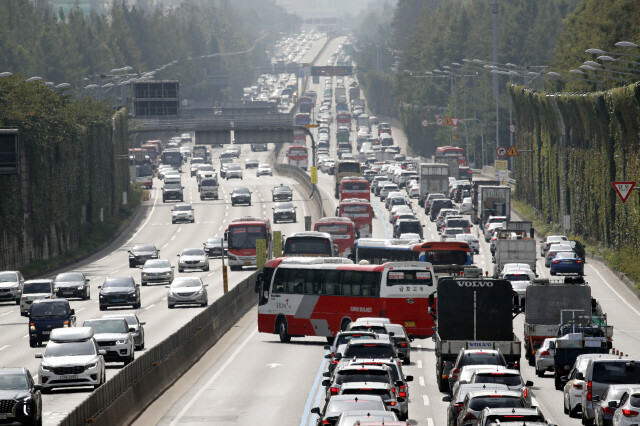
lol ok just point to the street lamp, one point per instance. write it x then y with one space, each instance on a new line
626 44
6 74
62 86
34 78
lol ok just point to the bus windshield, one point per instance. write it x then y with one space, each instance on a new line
356 186
349 168
298 151
335 229
244 237
409 278
446 257
304 246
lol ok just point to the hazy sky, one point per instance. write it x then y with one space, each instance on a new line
322 8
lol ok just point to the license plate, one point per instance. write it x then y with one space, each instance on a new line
3 416
67 293
409 323
46 332
247 263
70 377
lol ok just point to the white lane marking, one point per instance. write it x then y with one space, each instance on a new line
189 404
80 310
425 399
164 298
5 346
25 336
6 313
149 307
179 229
165 245
613 290
113 272
173 238
153 207
210 274
419 363
421 380
429 421
221 226
226 213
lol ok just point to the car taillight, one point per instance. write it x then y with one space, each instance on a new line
545 353
455 373
577 386
334 391
392 403
326 422
589 395
403 344
335 361
525 392
555 261
578 261
607 410
402 394
470 416
629 413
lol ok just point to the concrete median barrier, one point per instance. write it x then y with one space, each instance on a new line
132 389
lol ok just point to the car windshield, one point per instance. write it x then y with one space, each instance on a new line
182 208
264 166
118 282
384 393
49 309
495 401
369 351
41 287
186 282
193 252
130 319
343 339
282 189
241 191
233 167
619 372
500 378
214 241
107 325
205 168
8 277
55 349
566 255
481 358
69 276
143 248
157 264
284 206
339 406
169 185
516 277
13 382
352 376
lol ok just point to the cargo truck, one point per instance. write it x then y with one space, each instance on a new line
493 201
473 313
453 161
545 301
514 244
433 178
475 192
201 151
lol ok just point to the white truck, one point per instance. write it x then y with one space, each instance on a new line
514 251
493 201
434 178
452 161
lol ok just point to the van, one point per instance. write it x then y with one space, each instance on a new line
602 371
46 315
209 188
33 290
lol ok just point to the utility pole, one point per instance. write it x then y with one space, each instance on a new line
494 12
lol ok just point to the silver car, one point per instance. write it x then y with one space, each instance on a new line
114 336
71 359
193 258
11 286
136 328
187 291
544 357
234 171
156 271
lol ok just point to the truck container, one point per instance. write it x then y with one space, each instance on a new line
545 301
201 151
519 250
473 313
452 161
475 192
354 93
493 201
433 178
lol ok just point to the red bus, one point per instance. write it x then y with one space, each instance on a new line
298 156
444 253
435 253
344 119
355 187
360 212
299 136
453 150
322 299
241 236
342 229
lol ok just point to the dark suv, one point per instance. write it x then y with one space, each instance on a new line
140 253
172 191
437 205
47 314
119 291
21 399
474 357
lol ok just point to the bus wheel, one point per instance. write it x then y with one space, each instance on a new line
282 331
344 324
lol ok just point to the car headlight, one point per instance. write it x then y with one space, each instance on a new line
47 367
80 287
101 296
201 291
90 366
121 341
170 293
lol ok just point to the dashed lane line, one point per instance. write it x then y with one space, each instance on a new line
425 399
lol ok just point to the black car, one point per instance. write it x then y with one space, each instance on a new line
578 248
258 147
284 212
72 284
172 191
47 314
119 291
241 196
20 398
215 246
437 205
140 253
281 193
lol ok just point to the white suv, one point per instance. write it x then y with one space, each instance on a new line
71 359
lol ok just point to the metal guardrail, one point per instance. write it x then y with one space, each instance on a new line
234 304
227 122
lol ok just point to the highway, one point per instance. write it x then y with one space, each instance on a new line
251 378
153 225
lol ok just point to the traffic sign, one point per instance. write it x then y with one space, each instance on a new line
512 128
425 123
454 122
513 152
623 189
501 151
314 175
448 121
261 253
277 243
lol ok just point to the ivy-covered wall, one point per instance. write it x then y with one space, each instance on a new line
579 144
74 164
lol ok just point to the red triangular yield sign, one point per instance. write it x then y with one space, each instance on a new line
623 189
454 121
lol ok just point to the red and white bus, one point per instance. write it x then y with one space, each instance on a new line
298 156
241 236
360 212
322 299
444 252
299 136
355 187
453 150
342 229
344 119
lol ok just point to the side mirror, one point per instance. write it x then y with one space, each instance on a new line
326 374
87 280
399 383
38 356
612 404
391 334
102 352
401 355
408 378
72 311
173 267
143 322
99 286
137 285
37 387
326 383
132 329
564 379
315 410
528 383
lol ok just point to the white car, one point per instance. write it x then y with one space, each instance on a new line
204 171
466 206
182 213
413 191
233 171
470 239
490 230
386 189
628 411
450 234
264 170
113 335
544 357
574 387
71 359
193 258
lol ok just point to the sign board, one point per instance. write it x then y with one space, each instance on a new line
261 253
502 170
501 151
332 71
314 175
277 243
623 189
9 152
512 128
513 152
454 122
425 123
